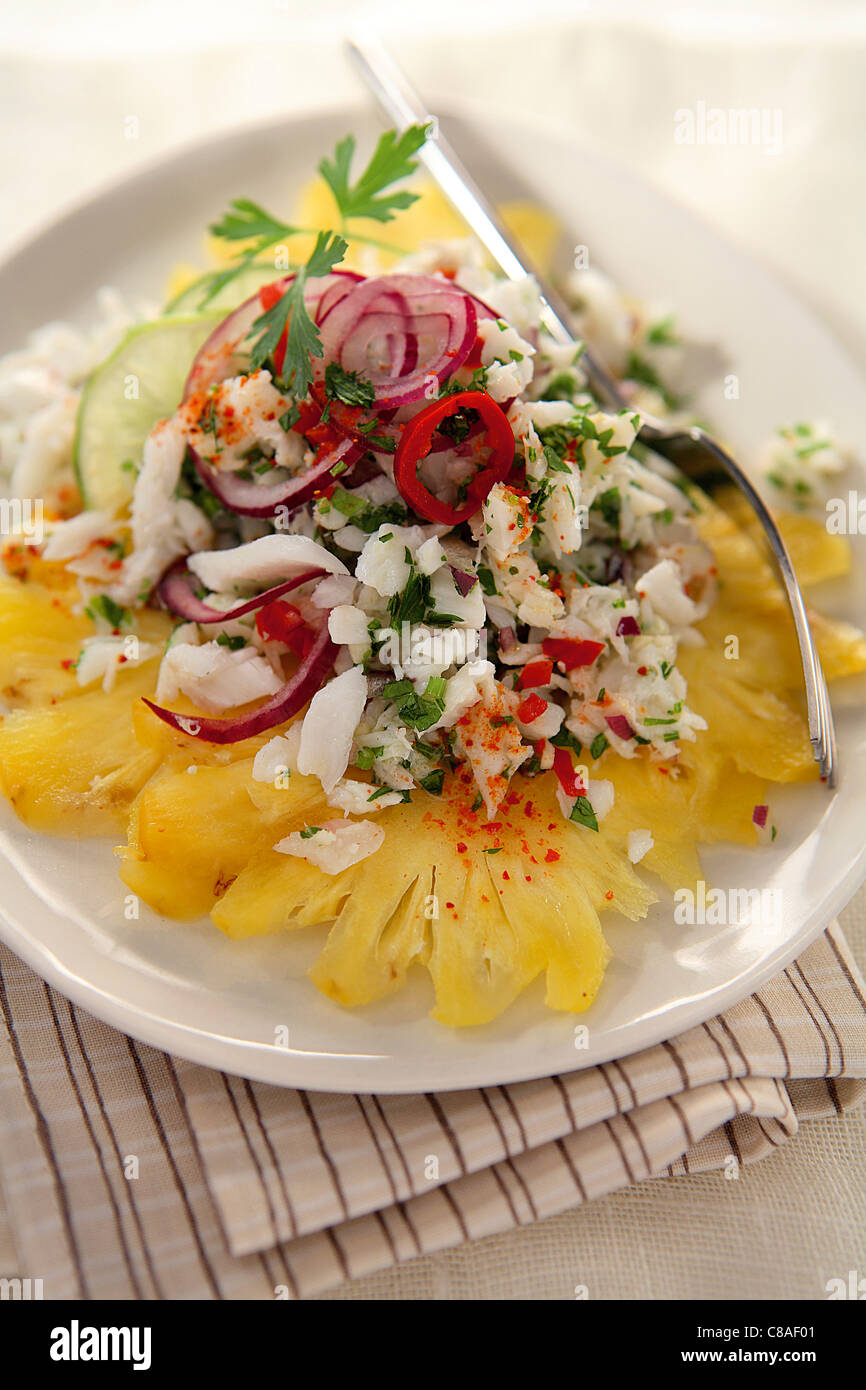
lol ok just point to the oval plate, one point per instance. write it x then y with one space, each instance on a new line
184 987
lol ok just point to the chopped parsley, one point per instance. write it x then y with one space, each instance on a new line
662 333
380 791
433 782
644 373
583 814
101 606
488 583
566 739
348 387
598 745
368 755
458 425
609 503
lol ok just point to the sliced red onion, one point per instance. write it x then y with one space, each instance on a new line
175 592
295 693
507 639
465 582
262 499
216 358
618 724
342 281
759 816
628 627
398 331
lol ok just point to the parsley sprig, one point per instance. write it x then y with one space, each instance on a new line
369 196
304 341
245 221
391 161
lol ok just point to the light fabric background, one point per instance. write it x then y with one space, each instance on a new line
70 77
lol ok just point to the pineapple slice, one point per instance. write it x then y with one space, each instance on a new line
752 608
485 907
816 554
75 767
40 639
196 826
762 734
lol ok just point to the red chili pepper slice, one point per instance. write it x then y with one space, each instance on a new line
564 769
535 672
301 640
415 444
571 651
277 621
474 358
323 436
531 708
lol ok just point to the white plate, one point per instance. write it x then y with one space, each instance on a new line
186 988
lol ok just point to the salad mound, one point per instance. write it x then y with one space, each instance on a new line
442 641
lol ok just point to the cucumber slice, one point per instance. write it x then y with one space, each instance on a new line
244 285
141 382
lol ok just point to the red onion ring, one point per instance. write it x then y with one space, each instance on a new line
436 330
176 594
295 693
214 360
260 499
331 296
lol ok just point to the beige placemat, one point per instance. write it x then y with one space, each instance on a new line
129 1174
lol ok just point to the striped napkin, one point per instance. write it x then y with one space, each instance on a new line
127 1173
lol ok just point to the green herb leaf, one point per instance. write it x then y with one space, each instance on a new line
380 791
395 690
566 739
101 606
303 341
458 425
433 782
488 583
367 756
348 387
391 161
246 221
583 814
598 745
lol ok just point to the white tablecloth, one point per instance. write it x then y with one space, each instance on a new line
70 76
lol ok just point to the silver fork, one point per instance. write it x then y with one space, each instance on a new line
690 448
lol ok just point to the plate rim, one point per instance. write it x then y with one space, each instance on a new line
294 1068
